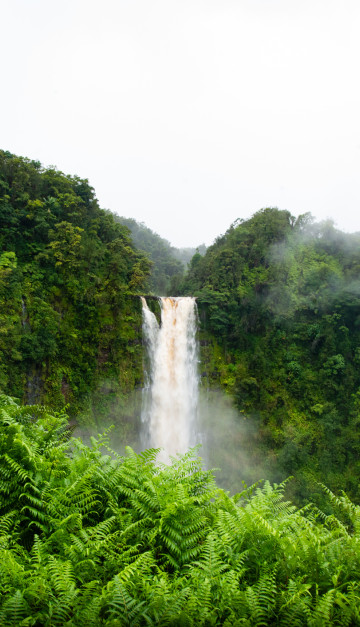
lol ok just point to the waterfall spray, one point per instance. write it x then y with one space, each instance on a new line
171 379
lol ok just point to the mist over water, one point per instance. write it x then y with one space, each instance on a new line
174 413
229 441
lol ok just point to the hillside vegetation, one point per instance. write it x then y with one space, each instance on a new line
280 301
169 263
70 331
167 270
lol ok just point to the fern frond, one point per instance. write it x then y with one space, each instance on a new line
122 606
13 610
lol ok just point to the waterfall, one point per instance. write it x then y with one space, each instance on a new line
171 379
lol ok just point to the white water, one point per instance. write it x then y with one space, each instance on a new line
171 382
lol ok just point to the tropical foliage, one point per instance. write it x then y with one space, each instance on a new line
69 324
99 539
94 539
279 302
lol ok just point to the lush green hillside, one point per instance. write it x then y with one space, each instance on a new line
168 262
92 539
280 300
167 270
69 326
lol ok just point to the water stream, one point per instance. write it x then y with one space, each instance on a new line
170 398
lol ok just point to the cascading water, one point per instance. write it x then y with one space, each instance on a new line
171 379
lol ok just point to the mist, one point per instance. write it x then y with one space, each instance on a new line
231 444
229 440
121 417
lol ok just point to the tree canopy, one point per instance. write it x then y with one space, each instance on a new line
68 271
280 297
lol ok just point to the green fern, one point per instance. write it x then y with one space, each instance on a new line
14 610
93 539
122 607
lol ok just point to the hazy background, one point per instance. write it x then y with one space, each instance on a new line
187 114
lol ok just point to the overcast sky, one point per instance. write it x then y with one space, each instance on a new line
189 114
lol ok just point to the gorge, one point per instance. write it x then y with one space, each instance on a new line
279 332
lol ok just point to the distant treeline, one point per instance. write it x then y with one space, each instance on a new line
169 263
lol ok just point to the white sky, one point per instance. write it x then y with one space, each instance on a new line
188 114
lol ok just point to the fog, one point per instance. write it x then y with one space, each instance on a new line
229 441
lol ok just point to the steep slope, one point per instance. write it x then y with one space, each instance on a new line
279 299
69 325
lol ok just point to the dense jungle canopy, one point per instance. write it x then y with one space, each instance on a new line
70 328
280 301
